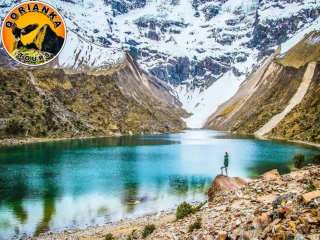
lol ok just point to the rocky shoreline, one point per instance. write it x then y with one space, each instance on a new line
119 229
16 141
270 207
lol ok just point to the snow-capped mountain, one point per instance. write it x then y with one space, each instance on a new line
204 49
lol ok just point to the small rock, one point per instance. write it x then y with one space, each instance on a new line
314 237
269 227
239 234
279 236
278 228
307 197
279 200
299 237
284 212
222 235
262 222
238 222
303 228
292 224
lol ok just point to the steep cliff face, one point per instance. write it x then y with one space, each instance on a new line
52 103
280 100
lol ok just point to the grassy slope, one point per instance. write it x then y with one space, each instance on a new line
75 105
272 96
303 122
268 100
307 50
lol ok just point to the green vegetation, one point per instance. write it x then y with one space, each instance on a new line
316 159
229 109
14 127
302 123
197 208
185 209
195 225
133 235
77 105
303 52
148 229
298 160
311 186
268 100
109 236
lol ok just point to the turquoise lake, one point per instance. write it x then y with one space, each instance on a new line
59 185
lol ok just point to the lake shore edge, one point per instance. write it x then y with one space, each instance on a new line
228 211
17 141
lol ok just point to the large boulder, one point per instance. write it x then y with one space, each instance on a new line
272 175
223 183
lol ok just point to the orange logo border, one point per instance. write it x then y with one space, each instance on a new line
22 9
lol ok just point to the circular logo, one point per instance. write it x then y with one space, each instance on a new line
33 33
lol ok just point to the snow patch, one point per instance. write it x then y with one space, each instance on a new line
203 103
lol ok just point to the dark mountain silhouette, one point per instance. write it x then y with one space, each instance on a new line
48 41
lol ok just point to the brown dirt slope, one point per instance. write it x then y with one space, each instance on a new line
303 122
273 92
219 119
295 100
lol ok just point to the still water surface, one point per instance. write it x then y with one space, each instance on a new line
68 184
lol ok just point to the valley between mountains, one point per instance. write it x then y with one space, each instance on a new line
136 67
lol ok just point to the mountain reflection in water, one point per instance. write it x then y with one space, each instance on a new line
59 185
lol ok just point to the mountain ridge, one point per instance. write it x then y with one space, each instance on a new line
189 44
275 95
56 104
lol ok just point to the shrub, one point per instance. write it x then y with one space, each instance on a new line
311 186
316 159
197 208
183 210
195 225
14 127
298 160
133 235
109 236
148 229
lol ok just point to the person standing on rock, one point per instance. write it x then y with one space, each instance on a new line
226 163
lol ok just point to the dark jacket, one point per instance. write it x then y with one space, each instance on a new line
226 160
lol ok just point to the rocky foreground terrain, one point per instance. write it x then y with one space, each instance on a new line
270 207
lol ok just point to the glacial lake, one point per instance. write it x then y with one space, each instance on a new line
67 184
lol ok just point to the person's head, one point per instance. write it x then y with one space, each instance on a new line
226 154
